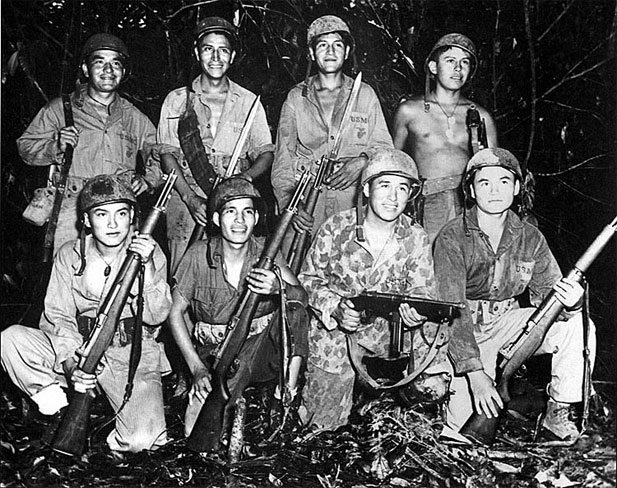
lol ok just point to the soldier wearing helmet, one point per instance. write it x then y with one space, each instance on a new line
43 361
487 258
432 128
374 248
213 110
210 281
108 134
311 118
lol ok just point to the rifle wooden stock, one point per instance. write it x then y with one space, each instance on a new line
481 428
207 430
71 436
301 241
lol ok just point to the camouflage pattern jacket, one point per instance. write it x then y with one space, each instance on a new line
339 266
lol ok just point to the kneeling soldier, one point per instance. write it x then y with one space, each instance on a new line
209 283
43 362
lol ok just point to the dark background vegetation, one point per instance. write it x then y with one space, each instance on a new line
547 73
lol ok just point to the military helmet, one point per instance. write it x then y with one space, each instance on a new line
104 41
454 40
104 189
232 189
492 156
217 25
390 162
326 25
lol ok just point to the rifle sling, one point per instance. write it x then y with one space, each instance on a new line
137 336
193 147
356 355
50 231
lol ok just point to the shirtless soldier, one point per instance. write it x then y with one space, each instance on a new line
433 130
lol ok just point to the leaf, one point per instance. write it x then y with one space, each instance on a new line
13 63
505 467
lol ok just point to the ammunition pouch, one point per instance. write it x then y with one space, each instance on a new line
124 331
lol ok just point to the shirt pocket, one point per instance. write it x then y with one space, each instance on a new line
129 147
522 272
359 128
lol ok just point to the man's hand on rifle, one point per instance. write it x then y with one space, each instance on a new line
67 135
302 221
347 316
348 174
569 293
198 208
486 399
262 281
82 382
201 384
139 185
411 317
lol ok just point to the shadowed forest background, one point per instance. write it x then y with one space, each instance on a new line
547 73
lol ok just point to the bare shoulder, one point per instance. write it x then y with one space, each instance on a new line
410 109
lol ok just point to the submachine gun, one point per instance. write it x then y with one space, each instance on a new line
481 428
72 434
208 428
399 367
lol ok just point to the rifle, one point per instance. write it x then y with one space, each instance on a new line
206 433
299 245
300 242
481 428
477 130
71 436
199 229
375 304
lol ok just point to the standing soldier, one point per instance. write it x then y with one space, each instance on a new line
310 119
43 362
203 121
108 133
433 129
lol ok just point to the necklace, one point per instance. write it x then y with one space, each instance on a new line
107 264
449 131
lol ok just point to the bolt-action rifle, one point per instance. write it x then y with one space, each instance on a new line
206 433
72 434
477 130
481 428
301 240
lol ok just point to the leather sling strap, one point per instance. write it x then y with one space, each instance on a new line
48 243
193 147
356 355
